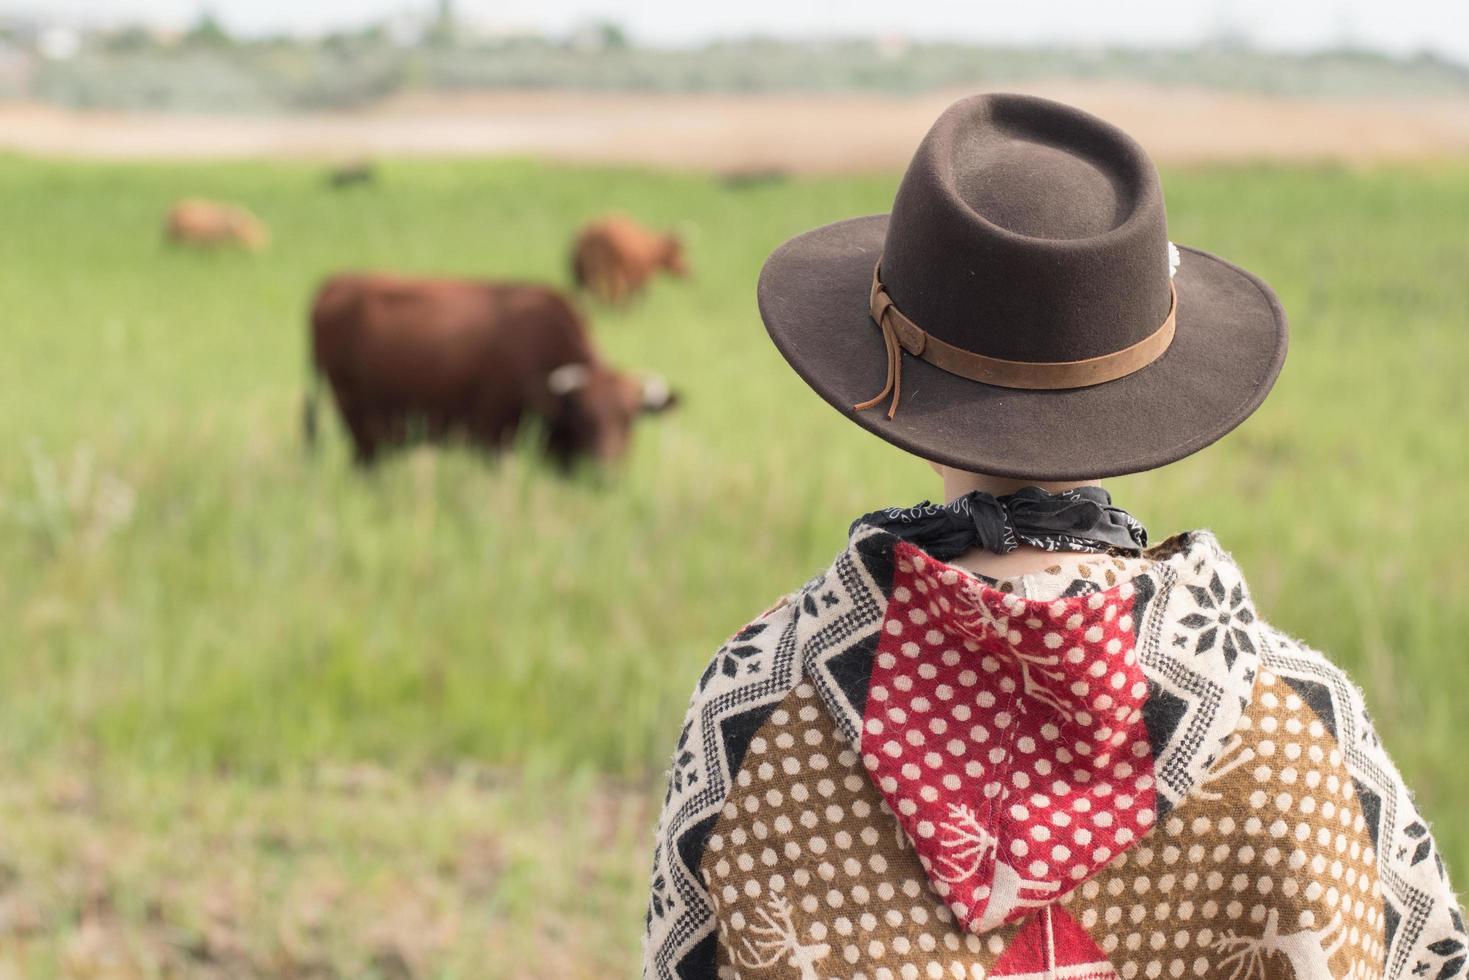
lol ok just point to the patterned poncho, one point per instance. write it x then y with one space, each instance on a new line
1113 771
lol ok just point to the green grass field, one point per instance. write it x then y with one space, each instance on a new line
263 715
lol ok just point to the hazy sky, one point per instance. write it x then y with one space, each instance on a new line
1392 25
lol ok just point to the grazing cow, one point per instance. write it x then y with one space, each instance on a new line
747 178
449 358
209 224
350 174
613 258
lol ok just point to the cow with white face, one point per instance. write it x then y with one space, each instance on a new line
450 359
596 409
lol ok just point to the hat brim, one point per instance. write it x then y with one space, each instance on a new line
1227 350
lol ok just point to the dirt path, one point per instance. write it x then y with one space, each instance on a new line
807 133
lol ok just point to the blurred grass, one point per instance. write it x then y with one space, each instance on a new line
186 596
350 871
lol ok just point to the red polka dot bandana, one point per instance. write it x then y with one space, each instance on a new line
1006 734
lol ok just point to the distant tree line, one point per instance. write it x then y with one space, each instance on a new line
205 68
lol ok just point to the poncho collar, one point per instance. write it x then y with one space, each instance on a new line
1022 743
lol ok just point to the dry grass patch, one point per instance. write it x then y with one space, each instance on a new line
351 872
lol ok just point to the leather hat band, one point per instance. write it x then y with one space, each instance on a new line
901 334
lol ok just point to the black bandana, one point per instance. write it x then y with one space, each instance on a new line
1082 519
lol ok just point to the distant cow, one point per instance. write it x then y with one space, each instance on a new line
747 178
352 173
613 258
449 358
209 224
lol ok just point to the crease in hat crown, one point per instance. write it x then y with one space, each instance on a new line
1027 230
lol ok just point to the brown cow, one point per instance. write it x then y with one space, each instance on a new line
459 358
614 257
208 224
352 173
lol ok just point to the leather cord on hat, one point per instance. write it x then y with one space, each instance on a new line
901 334
880 305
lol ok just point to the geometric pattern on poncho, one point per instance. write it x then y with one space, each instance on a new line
810 876
744 682
807 863
1425 931
837 613
1268 870
1200 648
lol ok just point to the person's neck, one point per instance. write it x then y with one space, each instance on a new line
1022 560
957 483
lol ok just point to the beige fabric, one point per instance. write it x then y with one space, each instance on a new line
1284 841
1267 871
810 874
1053 580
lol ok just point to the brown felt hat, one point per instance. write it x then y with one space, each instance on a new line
1021 302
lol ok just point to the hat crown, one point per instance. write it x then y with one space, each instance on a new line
1028 230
